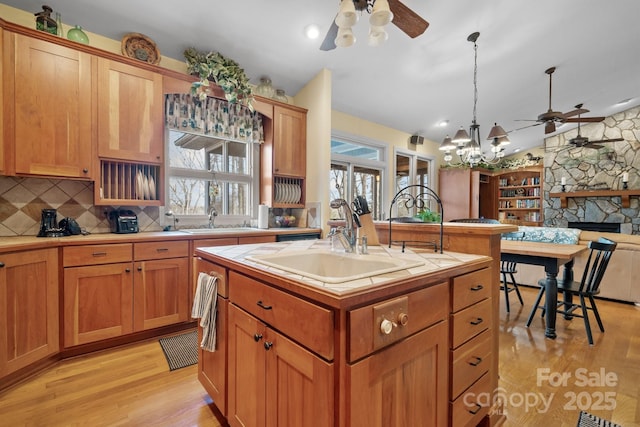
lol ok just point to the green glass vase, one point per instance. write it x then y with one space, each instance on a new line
77 35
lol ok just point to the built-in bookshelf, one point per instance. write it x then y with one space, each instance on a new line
520 196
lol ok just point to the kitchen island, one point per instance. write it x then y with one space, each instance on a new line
411 346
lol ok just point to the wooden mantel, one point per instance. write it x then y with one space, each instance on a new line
623 194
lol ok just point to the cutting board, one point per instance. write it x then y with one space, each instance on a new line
368 229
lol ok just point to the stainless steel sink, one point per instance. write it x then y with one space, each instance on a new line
217 230
334 267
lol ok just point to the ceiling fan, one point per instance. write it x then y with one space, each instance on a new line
404 18
550 117
583 141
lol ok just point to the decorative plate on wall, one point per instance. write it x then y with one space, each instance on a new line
138 46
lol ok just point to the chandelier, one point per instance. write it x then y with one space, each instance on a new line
347 17
467 145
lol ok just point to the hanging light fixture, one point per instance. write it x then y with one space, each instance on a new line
467 145
347 17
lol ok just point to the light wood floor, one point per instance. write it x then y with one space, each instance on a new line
132 386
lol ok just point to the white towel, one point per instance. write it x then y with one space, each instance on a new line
205 309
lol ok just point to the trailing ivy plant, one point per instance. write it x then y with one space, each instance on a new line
224 72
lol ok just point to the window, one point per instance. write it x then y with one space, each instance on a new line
357 169
206 173
411 169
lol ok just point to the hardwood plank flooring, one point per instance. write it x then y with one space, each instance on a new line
603 379
132 385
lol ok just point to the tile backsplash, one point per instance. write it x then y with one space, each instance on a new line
22 201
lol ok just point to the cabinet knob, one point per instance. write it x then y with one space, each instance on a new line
85 170
268 345
386 326
403 319
139 268
1 264
257 337
128 270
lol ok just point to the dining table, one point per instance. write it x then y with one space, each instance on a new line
551 256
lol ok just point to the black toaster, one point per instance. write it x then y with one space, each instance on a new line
123 221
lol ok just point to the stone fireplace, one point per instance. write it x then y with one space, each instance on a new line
595 169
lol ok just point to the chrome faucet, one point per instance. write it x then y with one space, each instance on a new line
345 235
213 213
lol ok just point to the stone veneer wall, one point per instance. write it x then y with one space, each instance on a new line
22 201
588 168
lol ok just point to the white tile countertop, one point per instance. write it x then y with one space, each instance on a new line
432 262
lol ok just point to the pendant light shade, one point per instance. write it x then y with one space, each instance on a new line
461 136
447 144
381 15
377 36
345 37
496 132
347 16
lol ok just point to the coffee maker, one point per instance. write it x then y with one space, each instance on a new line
49 224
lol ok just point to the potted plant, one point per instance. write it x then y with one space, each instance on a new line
223 71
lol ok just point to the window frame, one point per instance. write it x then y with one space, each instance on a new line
414 157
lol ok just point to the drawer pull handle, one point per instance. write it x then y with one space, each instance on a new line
99 254
268 345
476 362
257 337
477 321
266 307
162 250
139 268
477 288
476 410
128 270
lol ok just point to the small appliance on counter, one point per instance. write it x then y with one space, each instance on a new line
49 224
123 221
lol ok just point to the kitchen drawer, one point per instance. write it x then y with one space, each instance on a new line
469 362
470 322
466 410
308 324
407 314
96 254
212 269
470 288
159 250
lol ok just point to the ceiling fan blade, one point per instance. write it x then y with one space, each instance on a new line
525 127
576 112
407 20
329 42
602 141
584 120
549 127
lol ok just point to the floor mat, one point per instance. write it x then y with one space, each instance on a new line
589 420
180 350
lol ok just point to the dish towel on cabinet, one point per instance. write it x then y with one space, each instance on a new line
204 308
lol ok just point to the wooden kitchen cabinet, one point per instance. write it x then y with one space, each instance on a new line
130 113
274 381
48 102
283 155
466 193
3 166
289 141
29 328
116 289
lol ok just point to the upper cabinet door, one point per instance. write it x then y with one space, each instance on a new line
49 92
289 142
130 113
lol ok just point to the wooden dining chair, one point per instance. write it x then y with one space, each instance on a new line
599 256
507 271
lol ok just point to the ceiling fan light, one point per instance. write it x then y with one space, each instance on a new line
345 37
496 132
461 136
377 36
347 16
381 15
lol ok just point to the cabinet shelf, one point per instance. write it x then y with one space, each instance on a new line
123 182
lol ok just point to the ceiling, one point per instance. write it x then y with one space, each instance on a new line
408 84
